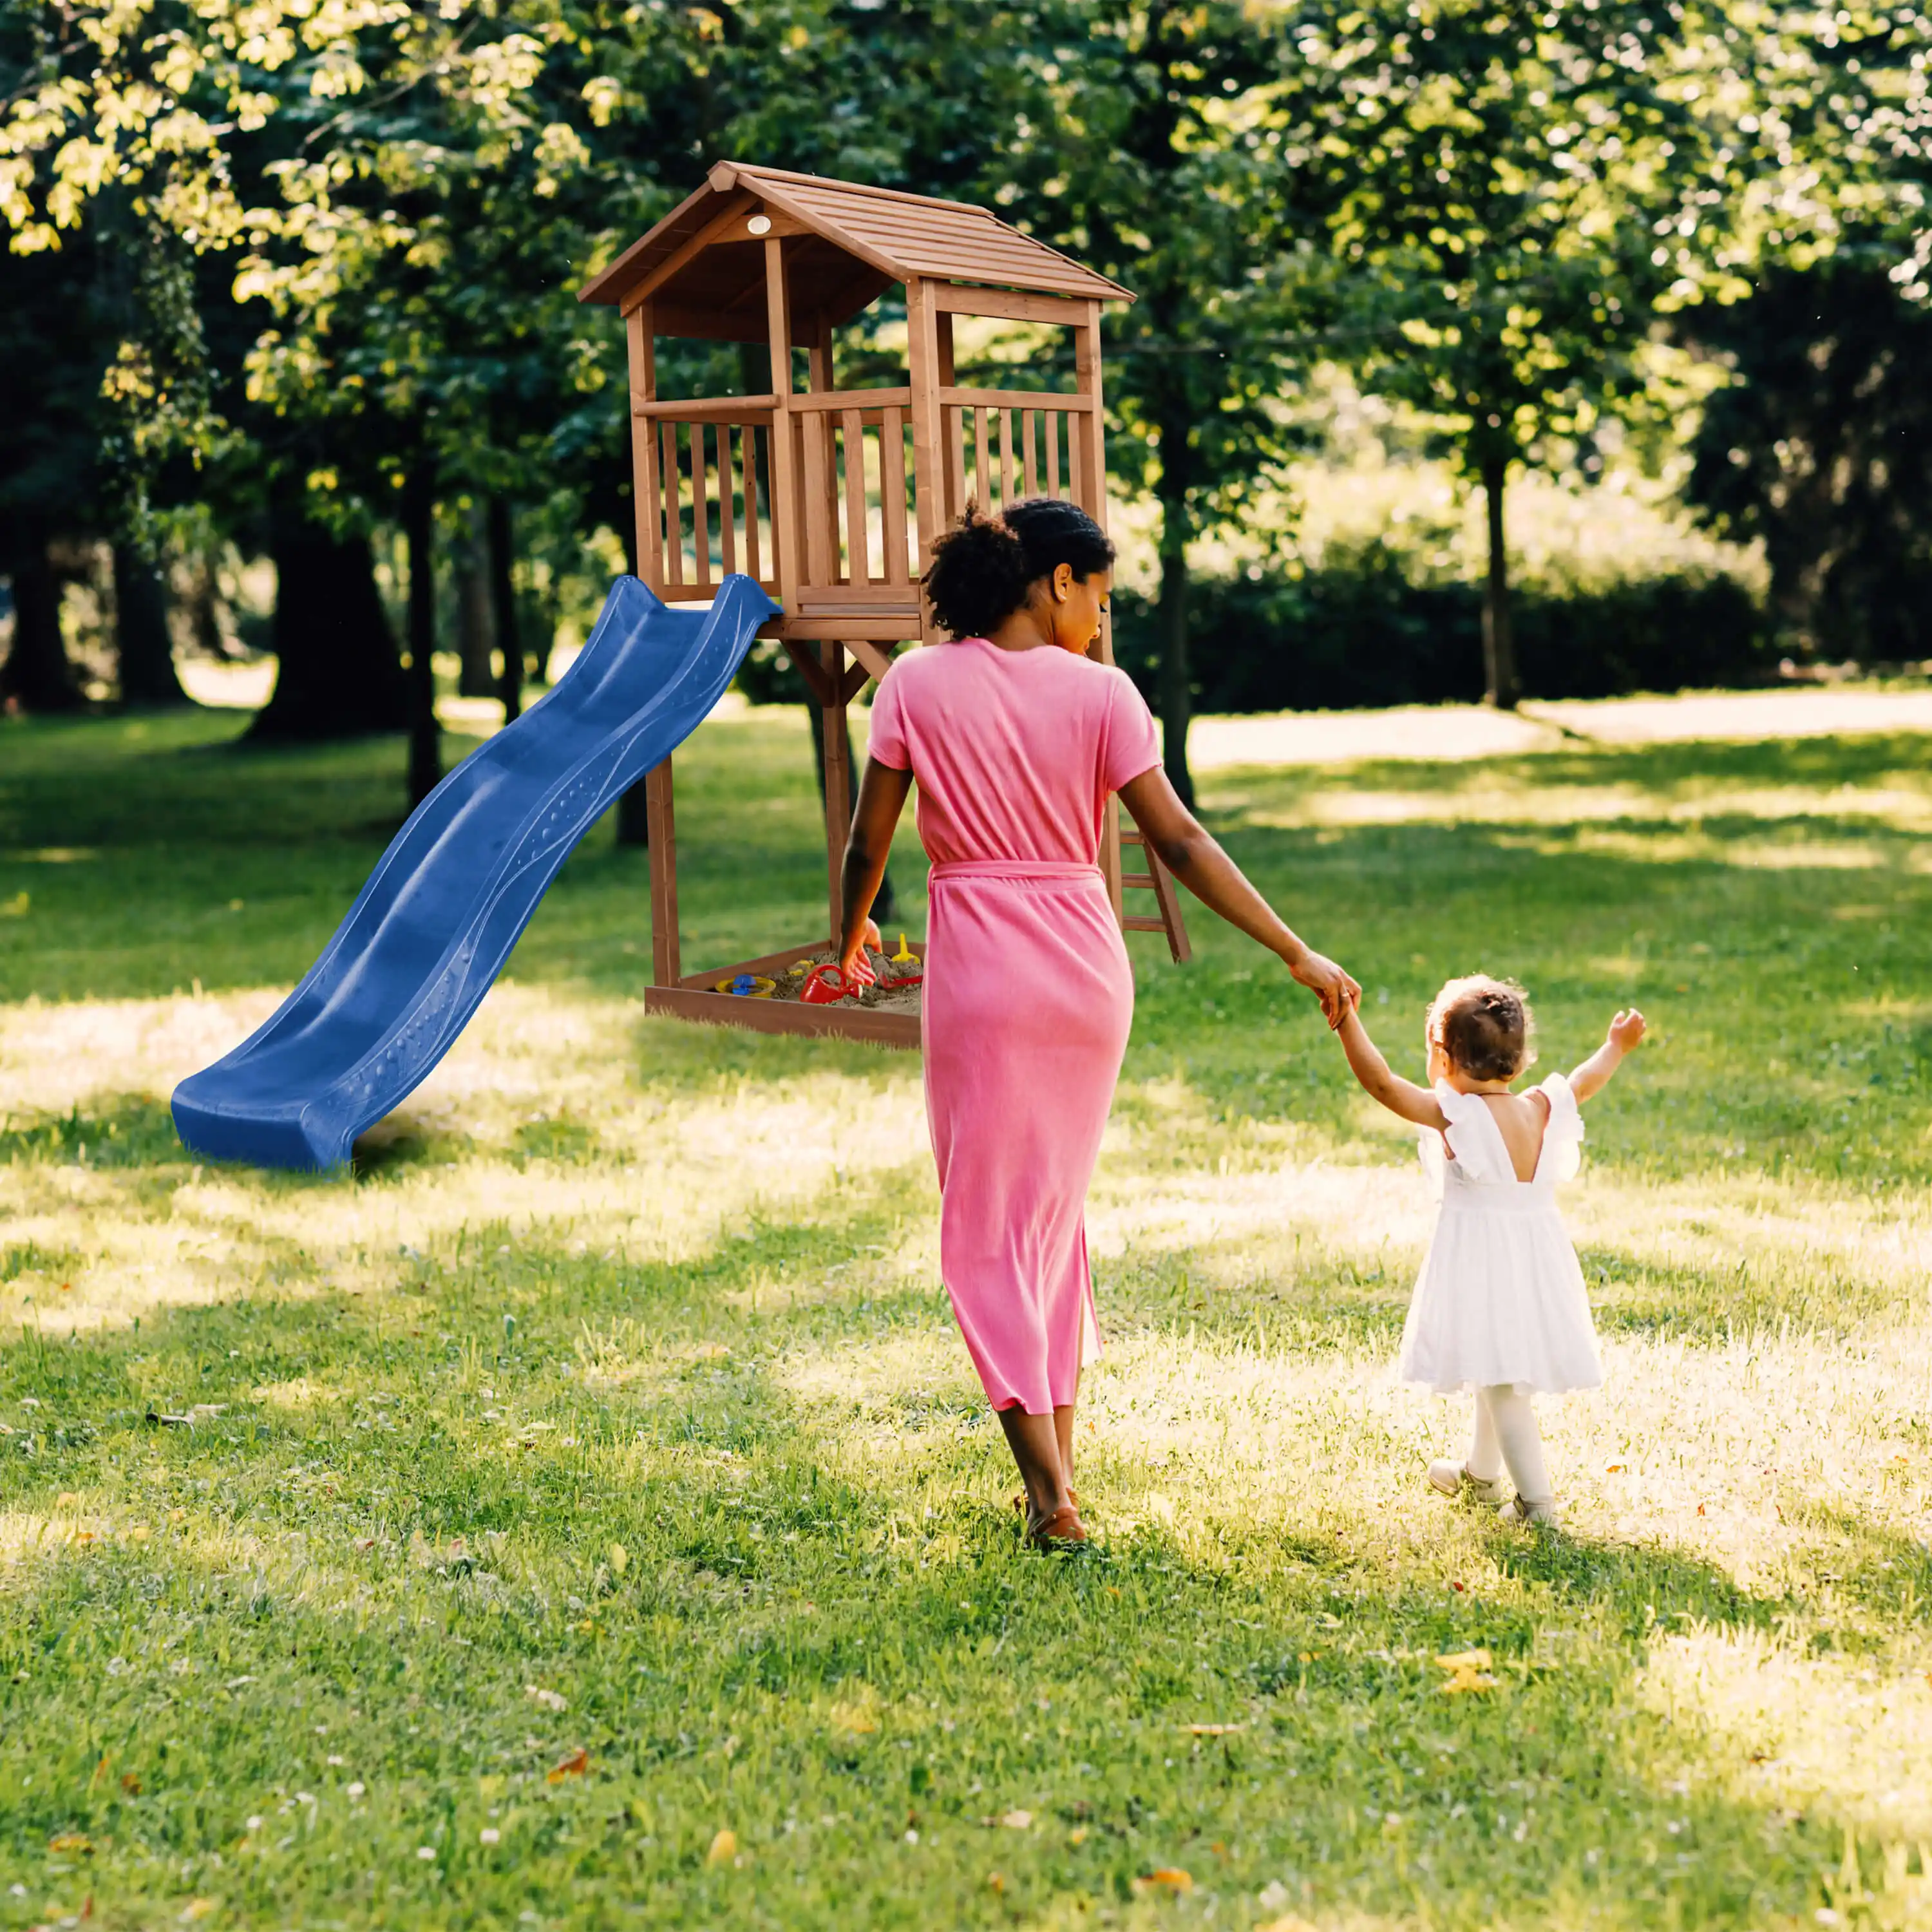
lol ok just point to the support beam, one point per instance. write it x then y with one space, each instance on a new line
664 950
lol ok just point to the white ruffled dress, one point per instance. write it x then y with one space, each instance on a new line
1501 1297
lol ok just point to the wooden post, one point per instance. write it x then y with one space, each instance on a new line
928 448
838 780
787 564
665 958
646 487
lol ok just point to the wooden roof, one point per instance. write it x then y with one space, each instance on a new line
845 243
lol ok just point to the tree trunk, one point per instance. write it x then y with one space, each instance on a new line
338 674
146 648
502 541
37 675
1499 677
886 905
1176 694
475 632
425 741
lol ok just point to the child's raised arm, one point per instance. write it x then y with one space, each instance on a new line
1594 1075
1400 1096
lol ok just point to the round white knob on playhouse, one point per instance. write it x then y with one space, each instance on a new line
760 224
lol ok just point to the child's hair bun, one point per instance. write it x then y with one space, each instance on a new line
1485 1026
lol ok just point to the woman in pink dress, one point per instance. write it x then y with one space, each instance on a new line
1016 738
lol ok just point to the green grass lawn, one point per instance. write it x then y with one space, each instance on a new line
584 1513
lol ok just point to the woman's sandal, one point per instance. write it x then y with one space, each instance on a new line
1062 1530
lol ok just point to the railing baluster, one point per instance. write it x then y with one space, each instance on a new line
1006 498
982 462
751 500
1029 437
700 506
858 562
728 500
892 495
673 508
955 452
1054 418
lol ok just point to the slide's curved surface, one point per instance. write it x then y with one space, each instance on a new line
432 928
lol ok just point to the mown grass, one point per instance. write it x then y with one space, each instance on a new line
612 1407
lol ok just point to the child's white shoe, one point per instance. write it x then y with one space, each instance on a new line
1452 1479
1537 1516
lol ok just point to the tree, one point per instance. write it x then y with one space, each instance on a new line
1822 449
1514 193
1146 154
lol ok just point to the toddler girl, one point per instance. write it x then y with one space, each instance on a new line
1499 1306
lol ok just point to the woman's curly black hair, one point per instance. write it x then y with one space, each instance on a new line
984 568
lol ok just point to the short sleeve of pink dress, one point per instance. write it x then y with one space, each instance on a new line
1028 993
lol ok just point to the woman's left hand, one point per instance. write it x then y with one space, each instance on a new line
1337 990
857 969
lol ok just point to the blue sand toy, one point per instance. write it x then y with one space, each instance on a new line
432 928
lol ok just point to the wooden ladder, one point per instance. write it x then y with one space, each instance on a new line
1158 881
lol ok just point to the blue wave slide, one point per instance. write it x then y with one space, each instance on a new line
431 929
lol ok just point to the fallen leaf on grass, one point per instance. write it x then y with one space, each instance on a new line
724 1848
1169 1878
67 1499
71 1841
196 1908
1078 1836
131 1784
996 1882
551 1700
1213 1730
574 1765
1017 1821
620 1559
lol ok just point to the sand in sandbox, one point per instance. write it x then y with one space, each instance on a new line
897 992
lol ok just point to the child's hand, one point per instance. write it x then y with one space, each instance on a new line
1627 1029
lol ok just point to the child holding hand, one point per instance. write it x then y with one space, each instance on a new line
1500 1306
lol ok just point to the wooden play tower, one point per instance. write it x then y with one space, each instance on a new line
831 497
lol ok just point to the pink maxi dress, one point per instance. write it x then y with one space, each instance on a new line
1028 993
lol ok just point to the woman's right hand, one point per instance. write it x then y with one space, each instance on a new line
1337 990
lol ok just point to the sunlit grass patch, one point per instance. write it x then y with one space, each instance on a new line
592 1478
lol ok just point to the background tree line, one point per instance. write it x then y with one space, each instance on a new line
299 278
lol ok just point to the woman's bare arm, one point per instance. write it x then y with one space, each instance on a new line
882 797
1190 851
1399 1096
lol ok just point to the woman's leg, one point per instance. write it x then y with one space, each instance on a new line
1035 1442
1063 1430
1514 1416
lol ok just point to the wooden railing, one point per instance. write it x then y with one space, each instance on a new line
1002 445
856 474
707 475
708 466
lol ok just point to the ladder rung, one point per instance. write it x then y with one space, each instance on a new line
1132 838
1145 925
1144 879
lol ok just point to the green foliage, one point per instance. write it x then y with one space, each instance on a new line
1360 630
1821 447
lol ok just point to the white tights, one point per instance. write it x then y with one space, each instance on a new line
1506 1434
